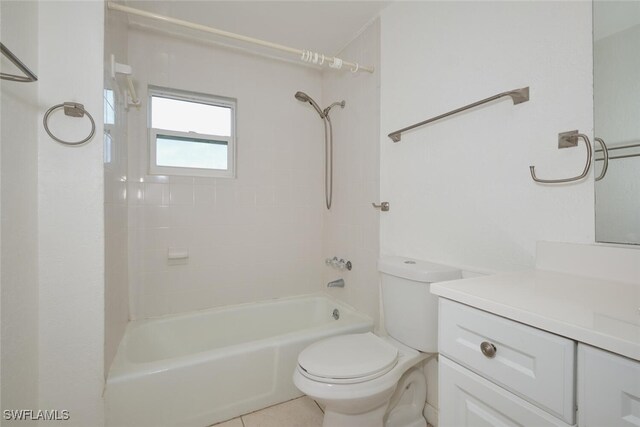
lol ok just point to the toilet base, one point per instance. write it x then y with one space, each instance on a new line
403 408
411 420
373 418
406 406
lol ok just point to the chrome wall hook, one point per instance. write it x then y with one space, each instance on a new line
383 206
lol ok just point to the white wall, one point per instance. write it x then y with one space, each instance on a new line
252 238
616 94
70 214
351 227
460 190
19 155
115 194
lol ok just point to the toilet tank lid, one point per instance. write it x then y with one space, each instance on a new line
418 270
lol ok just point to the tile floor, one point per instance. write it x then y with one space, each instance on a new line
301 412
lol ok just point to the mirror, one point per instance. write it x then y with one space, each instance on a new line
616 78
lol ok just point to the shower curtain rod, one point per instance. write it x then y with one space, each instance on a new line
303 54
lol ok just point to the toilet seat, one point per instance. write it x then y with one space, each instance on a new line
348 359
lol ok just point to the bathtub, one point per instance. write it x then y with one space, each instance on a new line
200 368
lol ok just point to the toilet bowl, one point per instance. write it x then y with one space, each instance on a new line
365 380
355 376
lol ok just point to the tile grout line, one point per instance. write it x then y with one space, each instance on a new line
241 417
270 406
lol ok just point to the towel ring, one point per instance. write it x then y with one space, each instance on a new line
566 140
72 109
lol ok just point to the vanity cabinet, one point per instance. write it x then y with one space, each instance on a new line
497 372
532 364
469 400
608 389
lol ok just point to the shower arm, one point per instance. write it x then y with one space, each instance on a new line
325 112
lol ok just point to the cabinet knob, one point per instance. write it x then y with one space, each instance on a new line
488 349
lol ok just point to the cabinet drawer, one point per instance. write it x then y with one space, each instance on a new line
535 365
608 389
468 400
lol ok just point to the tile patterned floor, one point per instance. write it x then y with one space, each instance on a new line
301 412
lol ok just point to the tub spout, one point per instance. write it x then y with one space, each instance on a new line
336 284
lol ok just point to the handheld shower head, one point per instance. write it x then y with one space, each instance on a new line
301 96
328 143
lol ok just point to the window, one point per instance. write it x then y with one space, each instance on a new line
191 134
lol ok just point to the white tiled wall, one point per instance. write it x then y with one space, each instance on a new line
351 228
115 196
255 237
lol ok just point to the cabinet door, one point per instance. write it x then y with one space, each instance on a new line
468 400
608 389
533 364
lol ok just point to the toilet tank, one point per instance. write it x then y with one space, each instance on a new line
410 309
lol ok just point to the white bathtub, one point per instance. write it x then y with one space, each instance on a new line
200 368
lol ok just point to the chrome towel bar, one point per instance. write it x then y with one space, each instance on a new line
620 147
28 74
517 95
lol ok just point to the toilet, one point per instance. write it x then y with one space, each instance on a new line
366 380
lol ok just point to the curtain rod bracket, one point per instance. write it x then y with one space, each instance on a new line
131 97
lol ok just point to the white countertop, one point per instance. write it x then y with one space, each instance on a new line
597 312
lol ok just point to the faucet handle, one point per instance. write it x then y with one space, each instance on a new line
340 264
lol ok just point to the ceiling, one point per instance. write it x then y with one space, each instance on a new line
321 26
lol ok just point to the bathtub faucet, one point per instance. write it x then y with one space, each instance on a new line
336 284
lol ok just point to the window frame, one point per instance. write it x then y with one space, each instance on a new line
153 133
